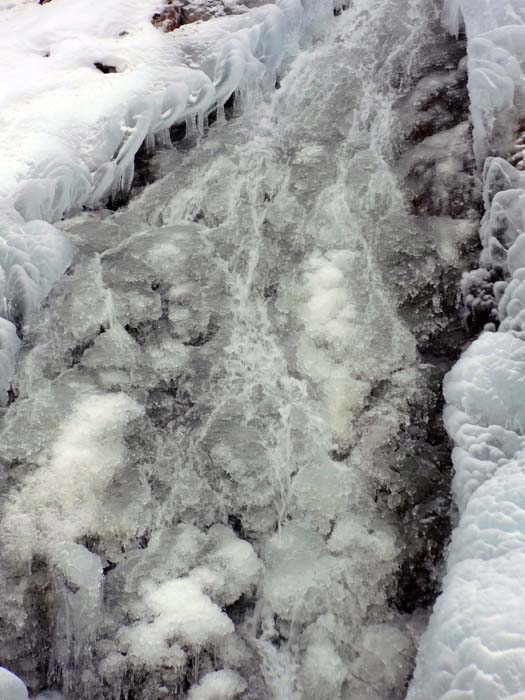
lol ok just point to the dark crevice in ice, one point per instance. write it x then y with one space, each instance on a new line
420 494
104 68
205 336
340 7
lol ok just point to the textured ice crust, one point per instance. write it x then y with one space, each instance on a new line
33 256
82 127
63 499
474 647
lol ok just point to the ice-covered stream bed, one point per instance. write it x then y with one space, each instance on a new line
225 473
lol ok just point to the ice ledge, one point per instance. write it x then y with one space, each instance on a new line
70 131
474 646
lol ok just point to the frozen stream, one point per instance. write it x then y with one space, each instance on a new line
202 465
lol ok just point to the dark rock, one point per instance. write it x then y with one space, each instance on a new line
104 68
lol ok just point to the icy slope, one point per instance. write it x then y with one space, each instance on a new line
69 131
474 647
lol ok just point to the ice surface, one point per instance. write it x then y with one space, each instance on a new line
33 256
11 687
9 344
77 578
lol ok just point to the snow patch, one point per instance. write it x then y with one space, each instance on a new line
182 611
77 150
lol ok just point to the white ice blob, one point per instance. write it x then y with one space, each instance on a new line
218 685
11 687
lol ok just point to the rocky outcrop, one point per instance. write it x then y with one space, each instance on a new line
443 190
176 13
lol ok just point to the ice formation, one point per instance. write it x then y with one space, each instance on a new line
213 447
475 643
11 687
83 127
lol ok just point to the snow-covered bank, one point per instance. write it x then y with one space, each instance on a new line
474 646
69 131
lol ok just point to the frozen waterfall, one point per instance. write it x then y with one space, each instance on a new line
225 473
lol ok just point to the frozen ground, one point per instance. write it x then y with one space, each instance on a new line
225 412
474 647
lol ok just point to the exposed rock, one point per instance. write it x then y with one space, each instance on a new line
170 17
176 13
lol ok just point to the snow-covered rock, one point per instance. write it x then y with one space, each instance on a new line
175 13
496 38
